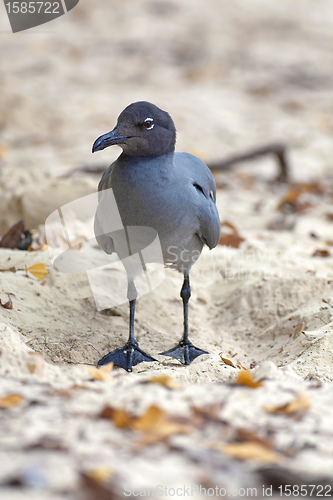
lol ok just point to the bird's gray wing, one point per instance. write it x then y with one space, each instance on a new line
103 237
105 181
210 225
203 183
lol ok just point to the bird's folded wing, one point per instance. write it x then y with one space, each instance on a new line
210 226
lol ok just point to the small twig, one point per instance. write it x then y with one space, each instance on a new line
318 317
279 150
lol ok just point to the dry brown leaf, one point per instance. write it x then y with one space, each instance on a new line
3 151
103 373
301 403
250 435
35 363
8 304
321 252
204 413
121 419
100 475
96 490
298 331
156 426
246 378
68 393
11 269
230 239
229 362
164 380
10 400
13 236
36 249
251 450
151 420
119 416
39 271
291 201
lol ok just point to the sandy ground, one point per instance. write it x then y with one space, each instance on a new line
233 76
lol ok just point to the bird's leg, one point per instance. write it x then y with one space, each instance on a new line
185 351
185 294
131 354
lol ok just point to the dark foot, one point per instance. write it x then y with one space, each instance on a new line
126 357
185 352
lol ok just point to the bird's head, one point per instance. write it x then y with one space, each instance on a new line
142 129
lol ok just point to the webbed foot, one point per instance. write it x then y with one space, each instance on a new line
185 352
126 357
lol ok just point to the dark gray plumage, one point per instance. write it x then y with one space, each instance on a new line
173 193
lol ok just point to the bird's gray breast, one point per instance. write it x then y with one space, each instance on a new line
154 193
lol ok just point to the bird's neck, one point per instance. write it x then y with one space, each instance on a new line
128 160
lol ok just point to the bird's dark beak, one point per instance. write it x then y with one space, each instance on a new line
108 139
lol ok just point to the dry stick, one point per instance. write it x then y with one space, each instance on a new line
279 150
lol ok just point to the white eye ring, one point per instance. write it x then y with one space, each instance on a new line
149 122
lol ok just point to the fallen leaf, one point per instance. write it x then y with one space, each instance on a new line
39 271
154 424
291 203
246 378
11 269
232 239
68 393
35 363
36 249
3 151
103 373
208 412
298 331
251 451
100 475
150 420
249 435
92 489
164 380
119 416
13 236
321 252
10 400
229 362
8 304
299 404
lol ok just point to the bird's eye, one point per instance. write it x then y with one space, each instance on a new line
148 123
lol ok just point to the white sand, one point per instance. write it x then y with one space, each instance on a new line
232 77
